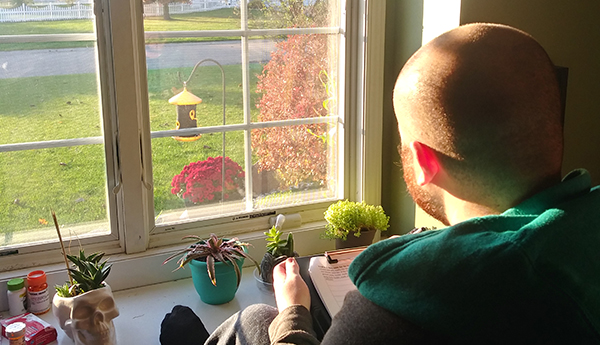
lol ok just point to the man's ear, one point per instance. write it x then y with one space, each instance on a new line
426 164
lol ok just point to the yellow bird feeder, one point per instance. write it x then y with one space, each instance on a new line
186 112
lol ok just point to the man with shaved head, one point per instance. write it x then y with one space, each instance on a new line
479 116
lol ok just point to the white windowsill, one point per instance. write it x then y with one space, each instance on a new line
143 309
145 289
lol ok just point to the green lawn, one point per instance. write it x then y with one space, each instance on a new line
71 180
223 19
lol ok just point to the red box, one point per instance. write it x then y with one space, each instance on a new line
37 331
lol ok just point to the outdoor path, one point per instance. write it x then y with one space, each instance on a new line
46 62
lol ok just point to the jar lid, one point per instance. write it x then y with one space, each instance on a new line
15 284
36 278
15 330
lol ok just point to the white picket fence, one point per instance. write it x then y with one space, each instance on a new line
84 10
48 12
155 9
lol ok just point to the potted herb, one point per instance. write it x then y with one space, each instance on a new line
85 306
354 224
214 261
278 249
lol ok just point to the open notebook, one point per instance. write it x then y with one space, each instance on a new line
329 275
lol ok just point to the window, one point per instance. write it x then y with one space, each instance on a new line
281 87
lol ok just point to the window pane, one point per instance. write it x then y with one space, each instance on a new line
277 14
188 177
294 164
284 83
299 81
49 92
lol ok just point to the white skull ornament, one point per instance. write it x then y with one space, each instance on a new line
87 318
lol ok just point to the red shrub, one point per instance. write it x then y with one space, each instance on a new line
292 89
201 182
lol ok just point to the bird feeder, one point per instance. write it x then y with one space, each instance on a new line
186 112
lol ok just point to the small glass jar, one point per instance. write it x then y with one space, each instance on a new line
15 332
17 296
37 292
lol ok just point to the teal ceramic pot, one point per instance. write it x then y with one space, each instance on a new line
226 281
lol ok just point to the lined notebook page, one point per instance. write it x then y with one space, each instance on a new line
331 281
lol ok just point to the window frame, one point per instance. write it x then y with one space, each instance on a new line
125 108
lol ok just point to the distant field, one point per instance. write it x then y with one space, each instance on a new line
223 19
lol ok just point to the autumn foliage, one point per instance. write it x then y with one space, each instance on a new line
292 87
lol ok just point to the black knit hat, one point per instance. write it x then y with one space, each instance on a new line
182 327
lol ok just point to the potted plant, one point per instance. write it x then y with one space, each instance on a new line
278 249
85 305
208 181
357 219
214 261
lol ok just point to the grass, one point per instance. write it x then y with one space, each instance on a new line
222 19
71 180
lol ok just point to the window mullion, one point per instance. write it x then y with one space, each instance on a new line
131 96
373 105
246 102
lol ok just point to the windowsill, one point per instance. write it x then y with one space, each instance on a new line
143 309
145 289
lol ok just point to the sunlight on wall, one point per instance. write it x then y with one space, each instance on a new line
439 16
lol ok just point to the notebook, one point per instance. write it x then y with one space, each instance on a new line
329 275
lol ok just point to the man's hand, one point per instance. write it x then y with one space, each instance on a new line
289 286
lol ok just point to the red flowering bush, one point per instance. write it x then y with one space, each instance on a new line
201 182
292 88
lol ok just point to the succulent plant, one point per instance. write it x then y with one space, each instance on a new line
278 249
211 250
87 273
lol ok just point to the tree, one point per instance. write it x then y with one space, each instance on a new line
294 86
296 83
165 5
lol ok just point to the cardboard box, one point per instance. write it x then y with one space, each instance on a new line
37 331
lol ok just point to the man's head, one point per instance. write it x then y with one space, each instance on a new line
479 116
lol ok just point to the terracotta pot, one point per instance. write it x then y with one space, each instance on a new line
366 238
88 318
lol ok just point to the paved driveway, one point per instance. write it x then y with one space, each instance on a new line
45 62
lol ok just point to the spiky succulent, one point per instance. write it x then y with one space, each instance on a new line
211 250
88 273
278 246
278 250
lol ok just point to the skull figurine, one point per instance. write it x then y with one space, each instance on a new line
87 318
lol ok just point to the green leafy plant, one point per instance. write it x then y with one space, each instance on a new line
344 217
87 273
211 250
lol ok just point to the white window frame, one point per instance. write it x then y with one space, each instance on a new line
121 57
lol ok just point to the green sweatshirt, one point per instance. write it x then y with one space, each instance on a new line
528 275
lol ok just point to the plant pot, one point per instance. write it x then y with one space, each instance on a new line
263 286
365 239
225 277
87 318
